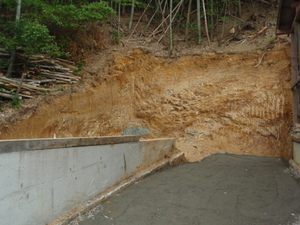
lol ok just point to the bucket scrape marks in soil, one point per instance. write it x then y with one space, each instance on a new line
209 102
215 103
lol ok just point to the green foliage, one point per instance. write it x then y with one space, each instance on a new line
193 26
3 64
77 72
116 36
45 92
16 102
60 89
49 91
224 18
272 38
72 16
2 102
35 38
129 3
32 36
43 18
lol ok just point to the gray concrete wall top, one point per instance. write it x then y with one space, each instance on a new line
7 146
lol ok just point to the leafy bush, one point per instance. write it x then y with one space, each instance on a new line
129 3
16 102
41 18
72 16
35 37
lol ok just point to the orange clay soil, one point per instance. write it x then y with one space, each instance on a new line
209 102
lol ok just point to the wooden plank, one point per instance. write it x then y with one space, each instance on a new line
10 96
34 81
258 33
9 93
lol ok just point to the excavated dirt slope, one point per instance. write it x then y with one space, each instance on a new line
209 102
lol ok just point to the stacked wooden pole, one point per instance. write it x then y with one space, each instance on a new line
37 72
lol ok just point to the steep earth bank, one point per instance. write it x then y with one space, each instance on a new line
234 102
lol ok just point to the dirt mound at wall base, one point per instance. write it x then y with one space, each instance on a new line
238 103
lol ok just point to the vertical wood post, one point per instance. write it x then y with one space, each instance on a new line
199 21
295 71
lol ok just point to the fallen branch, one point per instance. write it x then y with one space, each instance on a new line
161 24
25 86
20 83
265 2
258 33
10 96
55 68
59 75
139 19
237 18
261 59
65 61
178 7
33 81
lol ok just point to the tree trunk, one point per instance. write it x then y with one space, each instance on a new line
171 28
163 12
139 19
13 51
240 8
224 20
199 21
187 25
119 20
18 15
205 21
152 17
212 13
131 15
123 9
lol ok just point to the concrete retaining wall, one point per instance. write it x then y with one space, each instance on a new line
43 179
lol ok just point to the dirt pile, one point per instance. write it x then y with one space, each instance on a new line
209 102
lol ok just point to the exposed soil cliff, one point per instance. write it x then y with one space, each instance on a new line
235 102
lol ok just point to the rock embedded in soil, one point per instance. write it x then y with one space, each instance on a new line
136 131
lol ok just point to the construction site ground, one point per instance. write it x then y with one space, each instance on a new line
221 189
230 97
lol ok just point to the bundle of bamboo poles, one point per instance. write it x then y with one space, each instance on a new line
35 75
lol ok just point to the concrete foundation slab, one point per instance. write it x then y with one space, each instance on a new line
221 189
